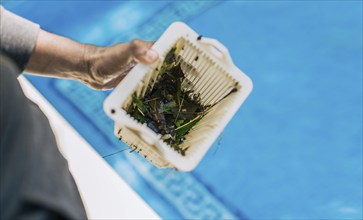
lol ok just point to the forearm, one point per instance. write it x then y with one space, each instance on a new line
98 67
58 56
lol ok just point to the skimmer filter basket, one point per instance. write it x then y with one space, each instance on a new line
209 73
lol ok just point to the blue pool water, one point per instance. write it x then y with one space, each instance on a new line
294 149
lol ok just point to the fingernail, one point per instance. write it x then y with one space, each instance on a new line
152 55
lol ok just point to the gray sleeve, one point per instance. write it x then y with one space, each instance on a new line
17 37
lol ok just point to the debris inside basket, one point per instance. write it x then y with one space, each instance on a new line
167 109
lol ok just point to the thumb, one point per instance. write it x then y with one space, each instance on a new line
142 52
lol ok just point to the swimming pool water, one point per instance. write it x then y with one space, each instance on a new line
294 149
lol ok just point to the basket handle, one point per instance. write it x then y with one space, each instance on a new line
218 49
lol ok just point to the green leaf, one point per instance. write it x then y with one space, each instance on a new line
179 122
169 58
182 130
139 117
167 107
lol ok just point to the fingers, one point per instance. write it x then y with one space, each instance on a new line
116 61
113 83
142 52
105 86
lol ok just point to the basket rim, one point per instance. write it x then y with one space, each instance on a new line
113 103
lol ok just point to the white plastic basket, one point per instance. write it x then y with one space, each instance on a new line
211 74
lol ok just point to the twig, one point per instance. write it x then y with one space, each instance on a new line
176 118
116 152
196 118
141 112
152 99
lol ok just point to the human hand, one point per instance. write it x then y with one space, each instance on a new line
107 66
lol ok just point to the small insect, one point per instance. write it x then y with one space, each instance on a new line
133 149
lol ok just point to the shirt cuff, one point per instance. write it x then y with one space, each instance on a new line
18 37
